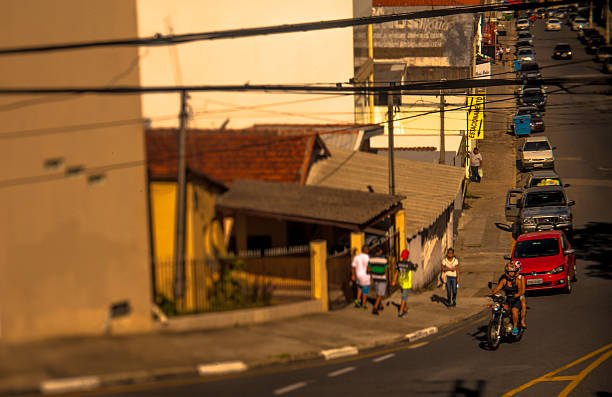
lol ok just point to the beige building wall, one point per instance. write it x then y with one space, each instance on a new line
71 246
293 58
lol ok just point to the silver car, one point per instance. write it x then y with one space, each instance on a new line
536 152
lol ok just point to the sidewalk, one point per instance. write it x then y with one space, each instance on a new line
106 361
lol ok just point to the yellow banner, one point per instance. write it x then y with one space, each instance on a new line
475 117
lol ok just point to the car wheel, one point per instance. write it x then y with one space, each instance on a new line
568 284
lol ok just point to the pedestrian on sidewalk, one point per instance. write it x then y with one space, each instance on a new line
502 56
403 276
475 165
450 267
359 270
379 268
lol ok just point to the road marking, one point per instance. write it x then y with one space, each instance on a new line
340 352
383 358
422 333
341 371
417 345
580 377
289 388
70 384
549 377
221 368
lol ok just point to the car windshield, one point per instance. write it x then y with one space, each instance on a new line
536 146
524 35
536 248
561 47
531 112
545 182
525 52
544 199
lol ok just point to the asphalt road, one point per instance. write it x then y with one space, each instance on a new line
562 328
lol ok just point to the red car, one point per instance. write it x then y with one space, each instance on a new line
548 260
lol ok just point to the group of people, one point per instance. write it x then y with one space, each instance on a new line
502 54
367 270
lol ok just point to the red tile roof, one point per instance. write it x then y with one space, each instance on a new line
234 154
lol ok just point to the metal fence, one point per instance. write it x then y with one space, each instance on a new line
232 282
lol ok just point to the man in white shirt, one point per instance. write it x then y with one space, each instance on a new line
475 165
450 267
359 270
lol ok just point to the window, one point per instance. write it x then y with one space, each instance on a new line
544 199
536 248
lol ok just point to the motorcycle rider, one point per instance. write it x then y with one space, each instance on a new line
519 265
512 284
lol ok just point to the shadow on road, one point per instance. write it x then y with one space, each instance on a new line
460 390
594 244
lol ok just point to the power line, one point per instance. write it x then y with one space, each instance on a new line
172 39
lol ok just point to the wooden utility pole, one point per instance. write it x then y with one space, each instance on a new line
390 129
179 231
607 21
442 148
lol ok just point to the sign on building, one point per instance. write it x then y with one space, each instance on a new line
475 116
483 70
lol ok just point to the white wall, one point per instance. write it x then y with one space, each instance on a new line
311 57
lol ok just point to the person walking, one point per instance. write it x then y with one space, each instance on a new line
403 276
475 165
359 270
450 267
379 267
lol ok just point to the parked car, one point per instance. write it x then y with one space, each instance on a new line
529 71
525 35
586 32
543 178
522 23
536 83
607 66
522 44
579 23
532 97
594 43
570 18
548 260
525 54
562 51
553 24
507 14
537 122
536 152
539 208
603 52
593 37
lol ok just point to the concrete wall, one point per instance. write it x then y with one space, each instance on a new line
71 246
311 57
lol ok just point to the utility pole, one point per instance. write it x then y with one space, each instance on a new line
442 148
390 129
179 231
591 13
607 21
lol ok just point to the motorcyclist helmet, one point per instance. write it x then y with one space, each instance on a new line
518 265
511 270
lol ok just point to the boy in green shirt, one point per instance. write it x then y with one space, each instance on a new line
403 276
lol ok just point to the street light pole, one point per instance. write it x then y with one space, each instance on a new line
179 232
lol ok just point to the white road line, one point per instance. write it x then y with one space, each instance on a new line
70 384
221 368
382 358
289 388
341 371
416 346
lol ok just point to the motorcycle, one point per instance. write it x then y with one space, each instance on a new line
500 325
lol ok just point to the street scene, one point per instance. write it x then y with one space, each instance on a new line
365 197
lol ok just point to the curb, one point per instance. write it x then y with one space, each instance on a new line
346 351
422 333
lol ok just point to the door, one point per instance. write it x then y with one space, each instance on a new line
569 256
513 204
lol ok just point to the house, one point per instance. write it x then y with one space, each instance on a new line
300 213
434 196
74 233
